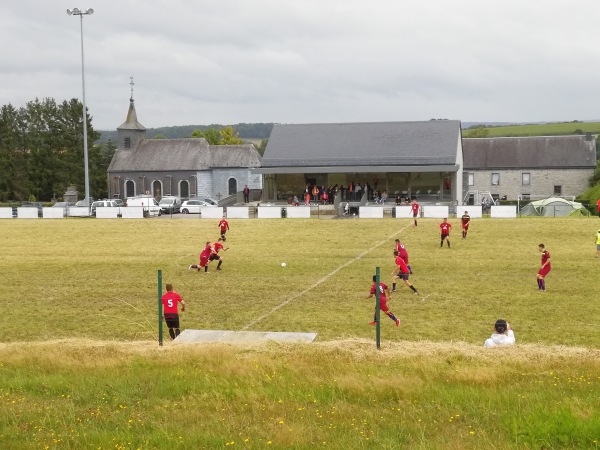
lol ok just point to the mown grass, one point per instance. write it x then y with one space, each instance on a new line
81 368
546 129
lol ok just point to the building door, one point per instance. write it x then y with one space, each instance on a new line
232 186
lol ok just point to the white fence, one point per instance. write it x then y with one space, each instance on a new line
504 212
53 213
211 212
298 212
370 212
109 212
6 213
476 212
435 211
269 212
238 212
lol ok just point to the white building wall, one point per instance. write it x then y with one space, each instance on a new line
220 181
205 186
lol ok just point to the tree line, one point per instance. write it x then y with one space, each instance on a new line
41 151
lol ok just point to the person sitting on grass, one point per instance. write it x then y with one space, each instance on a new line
503 335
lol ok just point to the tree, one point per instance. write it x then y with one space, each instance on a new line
230 137
262 147
212 136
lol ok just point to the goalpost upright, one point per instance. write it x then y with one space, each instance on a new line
160 338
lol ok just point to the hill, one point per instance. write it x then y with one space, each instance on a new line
536 129
247 131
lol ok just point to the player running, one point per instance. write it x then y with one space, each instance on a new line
403 253
445 228
383 290
465 220
171 301
402 272
224 227
415 210
544 269
204 258
216 248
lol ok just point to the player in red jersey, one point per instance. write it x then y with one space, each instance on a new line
170 302
402 271
445 228
204 258
224 226
465 220
383 290
544 269
216 248
415 210
403 253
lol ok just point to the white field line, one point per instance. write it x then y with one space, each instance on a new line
322 280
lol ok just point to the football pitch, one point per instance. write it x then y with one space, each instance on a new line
80 365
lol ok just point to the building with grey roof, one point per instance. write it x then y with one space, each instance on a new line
422 159
529 166
180 167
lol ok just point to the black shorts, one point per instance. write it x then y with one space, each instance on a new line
213 257
415 215
403 276
444 236
172 320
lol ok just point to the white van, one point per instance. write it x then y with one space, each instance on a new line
150 205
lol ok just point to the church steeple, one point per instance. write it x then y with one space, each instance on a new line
131 131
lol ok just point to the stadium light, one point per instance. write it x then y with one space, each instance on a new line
80 13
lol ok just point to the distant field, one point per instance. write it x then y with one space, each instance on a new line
551 129
80 366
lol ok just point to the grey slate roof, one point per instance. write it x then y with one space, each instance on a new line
131 122
539 152
183 154
365 144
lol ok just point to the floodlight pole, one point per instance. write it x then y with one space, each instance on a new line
80 13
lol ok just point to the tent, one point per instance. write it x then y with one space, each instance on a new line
552 207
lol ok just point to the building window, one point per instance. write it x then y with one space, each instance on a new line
525 179
471 177
495 179
127 143
525 197
557 190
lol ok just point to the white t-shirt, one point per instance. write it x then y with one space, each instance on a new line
500 339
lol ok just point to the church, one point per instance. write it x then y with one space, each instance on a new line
179 167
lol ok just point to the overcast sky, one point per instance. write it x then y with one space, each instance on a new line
307 61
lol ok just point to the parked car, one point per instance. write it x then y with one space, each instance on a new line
82 202
193 206
103 204
118 201
170 205
149 204
64 205
210 201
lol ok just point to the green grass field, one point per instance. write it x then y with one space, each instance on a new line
547 129
80 365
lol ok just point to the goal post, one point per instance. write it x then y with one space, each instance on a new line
377 311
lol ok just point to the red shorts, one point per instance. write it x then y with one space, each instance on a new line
383 305
204 260
543 272
465 226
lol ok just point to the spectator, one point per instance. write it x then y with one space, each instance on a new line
503 335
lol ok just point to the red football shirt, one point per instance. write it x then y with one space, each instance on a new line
223 224
402 252
217 246
546 257
382 288
170 302
415 208
402 265
206 252
445 227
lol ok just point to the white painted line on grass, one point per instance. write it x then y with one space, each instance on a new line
322 280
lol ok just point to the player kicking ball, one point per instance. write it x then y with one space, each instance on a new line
204 259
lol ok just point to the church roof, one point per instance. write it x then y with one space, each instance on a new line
435 142
537 152
131 123
183 154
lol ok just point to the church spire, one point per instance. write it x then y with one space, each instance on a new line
131 123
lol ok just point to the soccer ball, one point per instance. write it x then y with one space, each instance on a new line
283 264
